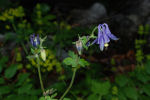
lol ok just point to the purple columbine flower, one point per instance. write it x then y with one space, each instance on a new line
104 36
35 40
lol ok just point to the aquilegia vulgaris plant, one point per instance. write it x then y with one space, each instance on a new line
102 38
38 52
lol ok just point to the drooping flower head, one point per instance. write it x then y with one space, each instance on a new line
35 40
104 36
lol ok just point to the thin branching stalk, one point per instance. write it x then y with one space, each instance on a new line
72 79
93 30
70 85
40 77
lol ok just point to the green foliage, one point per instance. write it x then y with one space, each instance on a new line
3 60
130 86
74 60
84 41
66 99
143 77
43 19
141 42
18 88
121 80
5 90
22 78
11 13
51 63
21 97
115 90
24 89
92 97
147 66
11 71
70 61
47 98
83 63
2 81
144 29
51 98
146 89
66 32
131 93
101 88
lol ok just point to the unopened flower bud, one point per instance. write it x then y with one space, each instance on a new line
79 46
35 40
43 54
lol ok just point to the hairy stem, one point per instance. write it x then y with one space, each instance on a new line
70 85
40 78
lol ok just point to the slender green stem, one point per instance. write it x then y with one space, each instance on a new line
92 34
72 80
40 78
70 85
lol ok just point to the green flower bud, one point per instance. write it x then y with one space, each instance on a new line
43 54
